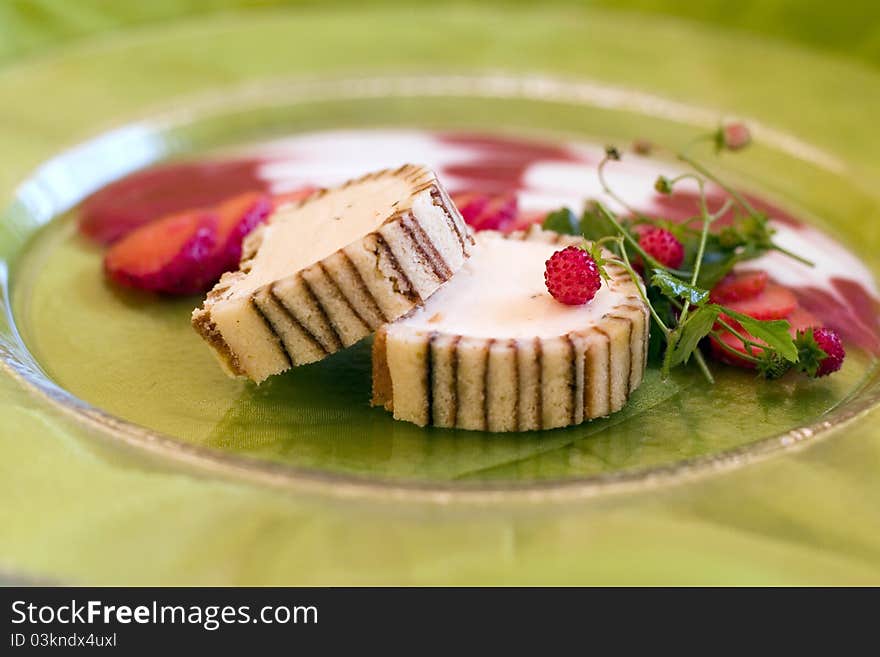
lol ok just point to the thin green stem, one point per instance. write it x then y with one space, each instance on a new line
736 352
701 362
720 212
701 250
704 235
626 265
683 176
625 234
739 198
607 239
748 343
737 334
794 256
698 355
608 190
699 139
633 243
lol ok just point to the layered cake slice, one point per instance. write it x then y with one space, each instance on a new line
493 351
325 272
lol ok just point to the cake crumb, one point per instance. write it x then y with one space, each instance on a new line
436 317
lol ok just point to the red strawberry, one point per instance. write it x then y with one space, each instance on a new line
237 217
799 319
829 342
487 212
470 204
775 302
733 136
572 276
740 285
663 246
157 257
165 255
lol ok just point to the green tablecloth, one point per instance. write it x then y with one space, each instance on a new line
73 512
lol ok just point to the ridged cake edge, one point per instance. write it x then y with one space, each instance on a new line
346 296
463 382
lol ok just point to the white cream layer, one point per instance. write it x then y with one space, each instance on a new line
500 293
300 236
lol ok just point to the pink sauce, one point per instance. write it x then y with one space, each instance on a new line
502 162
122 206
684 205
839 291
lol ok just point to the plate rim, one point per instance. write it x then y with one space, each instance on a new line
347 485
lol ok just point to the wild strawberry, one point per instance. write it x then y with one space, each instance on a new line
663 246
733 136
740 285
829 341
572 276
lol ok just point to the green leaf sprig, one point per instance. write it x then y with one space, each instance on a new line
679 299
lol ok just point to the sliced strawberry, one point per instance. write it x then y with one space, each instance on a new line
730 340
237 217
149 195
166 255
470 204
799 319
738 286
775 302
499 214
487 212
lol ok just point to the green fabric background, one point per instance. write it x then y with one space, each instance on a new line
850 28
73 511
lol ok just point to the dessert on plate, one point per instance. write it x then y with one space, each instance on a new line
493 350
327 271
543 319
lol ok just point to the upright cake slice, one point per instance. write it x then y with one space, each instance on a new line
492 350
328 271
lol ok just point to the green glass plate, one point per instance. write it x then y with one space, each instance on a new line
160 385
118 418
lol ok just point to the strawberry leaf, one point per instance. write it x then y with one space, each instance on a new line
562 221
675 288
694 329
594 225
775 333
598 257
810 354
